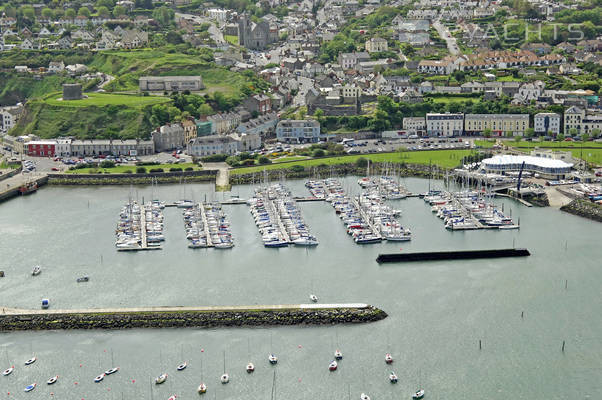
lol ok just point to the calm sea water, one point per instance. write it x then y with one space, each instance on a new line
438 311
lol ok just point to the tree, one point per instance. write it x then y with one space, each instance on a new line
103 12
517 138
10 11
595 133
560 137
584 137
173 38
118 11
83 12
264 160
487 132
529 132
573 132
508 134
205 109
105 3
70 13
163 15
301 113
318 153
319 114
28 12
47 13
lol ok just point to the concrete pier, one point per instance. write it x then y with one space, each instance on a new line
13 319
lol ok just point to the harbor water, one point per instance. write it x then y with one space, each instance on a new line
520 310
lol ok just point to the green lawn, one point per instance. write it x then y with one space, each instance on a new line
486 144
121 169
232 39
441 158
452 99
509 78
555 145
106 99
290 158
593 156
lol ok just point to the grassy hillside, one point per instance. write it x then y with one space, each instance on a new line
15 88
102 115
128 66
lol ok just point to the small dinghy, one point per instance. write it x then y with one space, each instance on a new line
338 355
202 388
273 359
8 371
364 396
419 394
388 358
250 367
52 380
99 378
83 279
333 366
392 377
182 366
313 298
225 378
112 371
160 379
31 387
36 270
30 361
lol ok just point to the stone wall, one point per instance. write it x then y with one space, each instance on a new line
132 179
584 208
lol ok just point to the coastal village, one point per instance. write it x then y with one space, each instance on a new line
379 199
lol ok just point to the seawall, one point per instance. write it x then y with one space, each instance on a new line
584 208
132 179
184 317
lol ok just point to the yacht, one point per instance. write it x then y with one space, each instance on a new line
99 378
338 355
313 298
182 366
31 387
160 379
250 367
364 396
202 388
273 359
333 366
419 394
112 371
8 371
36 270
388 358
392 377
30 361
52 380
225 378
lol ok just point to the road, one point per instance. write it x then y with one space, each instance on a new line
452 46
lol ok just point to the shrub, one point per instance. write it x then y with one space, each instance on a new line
175 169
141 163
188 169
361 162
127 171
107 164
215 158
247 162
141 170
264 160
155 170
319 153
297 168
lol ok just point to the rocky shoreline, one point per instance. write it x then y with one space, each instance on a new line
584 208
187 319
131 179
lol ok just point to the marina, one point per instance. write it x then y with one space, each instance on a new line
140 227
462 301
206 225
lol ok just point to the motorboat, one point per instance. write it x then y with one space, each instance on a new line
31 387
313 298
202 388
83 279
333 366
112 371
250 367
419 394
338 355
8 371
388 358
99 378
45 303
182 366
392 377
52 380
272 359
36 270
31 361
173 397
225 378
160 379
364 396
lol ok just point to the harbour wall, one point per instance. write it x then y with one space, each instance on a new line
14 191
184 317
293 172
451 255
584 208
132 179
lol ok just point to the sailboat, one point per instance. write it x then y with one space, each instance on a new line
272 358
202 387
250 367
225 378
182 366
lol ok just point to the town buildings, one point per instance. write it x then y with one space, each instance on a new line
376 45
170 83
498 124
577 120
546 124
213 144
169 137
444 124
298 131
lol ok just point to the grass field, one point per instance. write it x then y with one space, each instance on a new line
441 158
452 99
106 99
122 169
232 39
288 159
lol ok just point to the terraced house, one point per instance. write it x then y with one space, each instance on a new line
499 124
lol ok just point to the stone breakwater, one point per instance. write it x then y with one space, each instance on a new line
131 179
185 317
585 209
